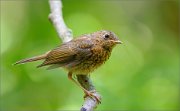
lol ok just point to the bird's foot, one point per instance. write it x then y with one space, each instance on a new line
92 95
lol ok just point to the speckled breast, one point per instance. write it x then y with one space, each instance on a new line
98 57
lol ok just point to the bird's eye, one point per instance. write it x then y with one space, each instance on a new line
106 36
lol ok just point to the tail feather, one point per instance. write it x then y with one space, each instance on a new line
36 58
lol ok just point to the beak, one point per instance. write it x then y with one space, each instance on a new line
118 42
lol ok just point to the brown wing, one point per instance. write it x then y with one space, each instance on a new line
59 55
70 53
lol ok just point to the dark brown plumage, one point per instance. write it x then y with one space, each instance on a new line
80 56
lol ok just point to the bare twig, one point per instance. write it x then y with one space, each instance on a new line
89 103
57 20
66 35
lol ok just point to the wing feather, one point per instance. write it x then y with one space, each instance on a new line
69 54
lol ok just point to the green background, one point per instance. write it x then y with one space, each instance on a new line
141 74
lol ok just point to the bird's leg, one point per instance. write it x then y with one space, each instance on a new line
87 93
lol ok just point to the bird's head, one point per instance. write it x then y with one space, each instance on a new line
107 39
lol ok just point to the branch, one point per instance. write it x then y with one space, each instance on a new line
57 20
89 103
66 35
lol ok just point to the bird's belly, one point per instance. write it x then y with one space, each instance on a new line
90 64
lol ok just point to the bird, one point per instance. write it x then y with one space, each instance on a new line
80 56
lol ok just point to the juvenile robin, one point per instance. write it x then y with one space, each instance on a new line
80 56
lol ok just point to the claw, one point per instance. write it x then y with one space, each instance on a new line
90 94
87 93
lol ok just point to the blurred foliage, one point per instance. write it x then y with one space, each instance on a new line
142 74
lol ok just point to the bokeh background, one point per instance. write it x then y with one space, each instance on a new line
141 74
